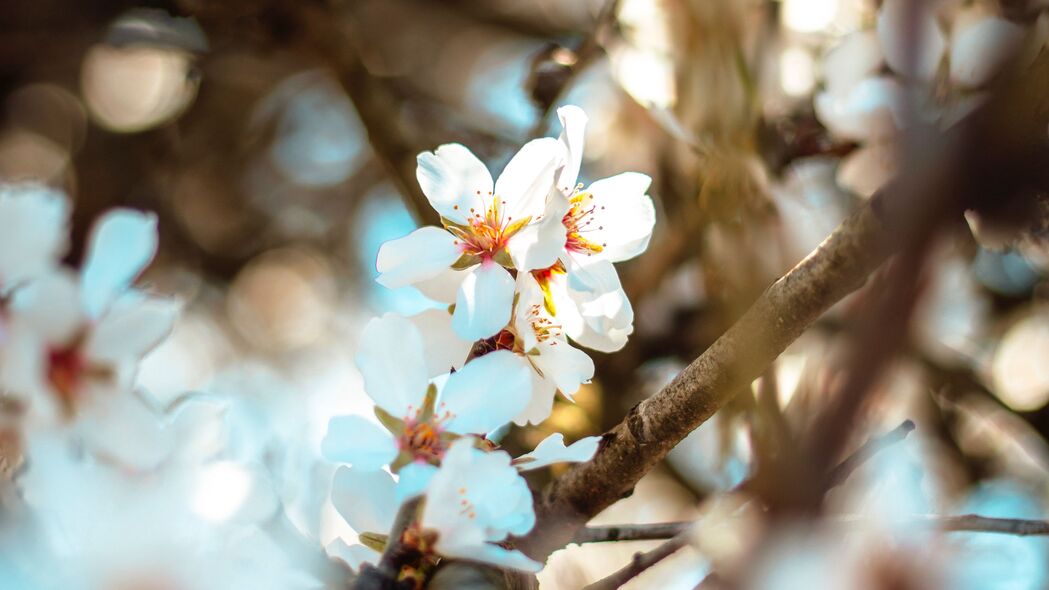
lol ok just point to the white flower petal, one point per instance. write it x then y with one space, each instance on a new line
487 393
413 479
359 442
119 427
418 256
565 364
856 57
538 245
529 177
869 168
444 349
898 21
33 231
366 499
122 243
493 555
871 109
540 404
391 360
623 215
484 302
453 179
353 556
51 306
553 450
573 135
980 49
444 286
130 330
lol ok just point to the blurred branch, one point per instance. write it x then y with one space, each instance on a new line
970 523
379 107
872 447
551 76
989 157
630 532
641 562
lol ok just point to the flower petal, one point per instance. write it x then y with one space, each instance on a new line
391 360
452 178
541 402
359 442
413 479
980 49
553 450
573 134
493 555
51 306
354 555
898 22
529 177
366 499
857 56
537 245
565 364
487 393
33 231
132 328
122 243
484 302
420 255
623 215
445 350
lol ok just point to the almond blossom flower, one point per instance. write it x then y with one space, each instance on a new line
369 500
487 230
609 221
75 341
420 422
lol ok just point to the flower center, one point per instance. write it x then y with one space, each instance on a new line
66 368
579 220
421 438
487 230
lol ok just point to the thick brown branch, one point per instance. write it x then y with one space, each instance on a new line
641 562
989 157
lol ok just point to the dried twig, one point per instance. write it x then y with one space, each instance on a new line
839 474
630 532
641 562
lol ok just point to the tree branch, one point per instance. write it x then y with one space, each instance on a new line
988 157
872 447
641 562
630 532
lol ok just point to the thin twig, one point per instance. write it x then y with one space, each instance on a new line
630 532
872 447
641 562
968 523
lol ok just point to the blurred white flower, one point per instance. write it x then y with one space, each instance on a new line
33 232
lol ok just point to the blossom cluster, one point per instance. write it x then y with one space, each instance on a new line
522 269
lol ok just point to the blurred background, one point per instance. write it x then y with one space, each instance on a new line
276 140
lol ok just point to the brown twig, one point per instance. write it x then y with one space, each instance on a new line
641 562
839 474
630 532
384 576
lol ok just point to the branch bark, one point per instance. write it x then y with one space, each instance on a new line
991 156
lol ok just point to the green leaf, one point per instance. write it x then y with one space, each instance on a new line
429 403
